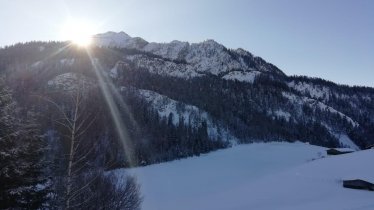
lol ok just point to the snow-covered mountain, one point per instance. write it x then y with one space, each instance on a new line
303 100
224 96
207 57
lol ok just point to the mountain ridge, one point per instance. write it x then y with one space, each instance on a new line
203 54
241 98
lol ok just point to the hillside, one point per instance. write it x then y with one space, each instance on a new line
174 100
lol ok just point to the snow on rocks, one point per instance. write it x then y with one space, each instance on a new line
173 50
317 92
120 40
69 81
208 57
283 114
163 67
111 39
242 76
113 73
67 61
302 100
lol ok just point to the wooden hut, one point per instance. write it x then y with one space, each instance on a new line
334 151
358 184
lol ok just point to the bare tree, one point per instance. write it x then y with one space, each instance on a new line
107 192
85 183
74 121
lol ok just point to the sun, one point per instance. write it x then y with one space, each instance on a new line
78 31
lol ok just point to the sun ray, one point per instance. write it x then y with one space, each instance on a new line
114 110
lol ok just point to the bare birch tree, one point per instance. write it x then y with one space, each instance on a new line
85 183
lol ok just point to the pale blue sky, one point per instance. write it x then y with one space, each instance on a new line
332 39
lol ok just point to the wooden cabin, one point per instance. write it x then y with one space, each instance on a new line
358 184
333 151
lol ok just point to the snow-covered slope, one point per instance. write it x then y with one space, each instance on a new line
242 76
188 113
316 92
173 50
258 176
345 141
316 185
315 104
163 67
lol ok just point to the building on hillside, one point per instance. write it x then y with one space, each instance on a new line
358 184
338 151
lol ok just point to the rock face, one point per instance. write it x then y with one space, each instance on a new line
121 40
208 57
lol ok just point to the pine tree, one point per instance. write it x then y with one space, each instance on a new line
21 148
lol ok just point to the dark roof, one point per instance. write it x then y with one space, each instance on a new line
358 184
333 151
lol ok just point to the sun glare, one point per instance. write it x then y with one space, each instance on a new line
79 32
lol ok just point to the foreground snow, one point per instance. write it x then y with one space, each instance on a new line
258 176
